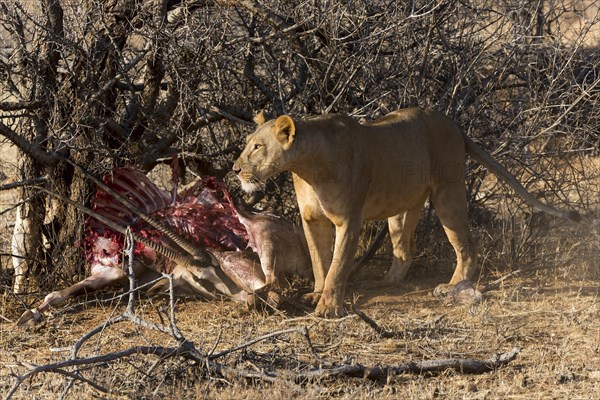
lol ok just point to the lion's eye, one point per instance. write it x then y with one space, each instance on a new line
257 146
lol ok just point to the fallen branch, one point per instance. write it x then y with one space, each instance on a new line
185 349
376 373
302 330
461 365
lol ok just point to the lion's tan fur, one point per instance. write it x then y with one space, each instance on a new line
345 172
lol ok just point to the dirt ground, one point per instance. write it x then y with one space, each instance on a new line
551 315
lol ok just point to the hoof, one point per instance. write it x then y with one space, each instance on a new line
251 301
468 296
264 300
30 318
274 299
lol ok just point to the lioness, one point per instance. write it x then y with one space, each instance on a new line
345 172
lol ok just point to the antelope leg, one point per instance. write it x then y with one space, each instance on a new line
101 277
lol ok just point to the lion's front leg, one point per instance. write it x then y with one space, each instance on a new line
331 303
319 238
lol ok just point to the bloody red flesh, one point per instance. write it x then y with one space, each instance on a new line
203 216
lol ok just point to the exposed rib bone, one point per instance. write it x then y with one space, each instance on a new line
183 260
196 252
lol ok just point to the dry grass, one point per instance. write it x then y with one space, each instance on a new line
551 314
550 311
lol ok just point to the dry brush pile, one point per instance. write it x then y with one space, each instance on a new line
136 83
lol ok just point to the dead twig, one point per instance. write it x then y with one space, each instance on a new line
461 365
26 182
6 319
392 334
185 349
249 343
380 331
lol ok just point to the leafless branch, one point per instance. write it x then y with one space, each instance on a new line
28 182
460 365
257 340
32 149
183 350
20 105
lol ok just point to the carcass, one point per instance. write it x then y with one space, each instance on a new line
200 238
280 246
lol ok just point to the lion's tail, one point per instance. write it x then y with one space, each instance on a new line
499 170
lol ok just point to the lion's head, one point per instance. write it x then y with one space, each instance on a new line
267 151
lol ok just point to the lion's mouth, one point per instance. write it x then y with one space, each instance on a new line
249 182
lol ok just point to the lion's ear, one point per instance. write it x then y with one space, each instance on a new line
261 118
285 131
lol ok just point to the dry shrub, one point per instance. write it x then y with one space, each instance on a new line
132 82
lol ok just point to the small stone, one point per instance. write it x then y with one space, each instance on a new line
567 377
594 376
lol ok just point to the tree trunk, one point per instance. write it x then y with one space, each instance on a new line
27 251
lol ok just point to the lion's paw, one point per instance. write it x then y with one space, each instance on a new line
443 290
312 298
330 307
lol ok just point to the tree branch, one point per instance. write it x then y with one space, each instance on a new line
183 350
461 365
35 151
21 105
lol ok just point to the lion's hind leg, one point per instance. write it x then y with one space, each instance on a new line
402 234
450 204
